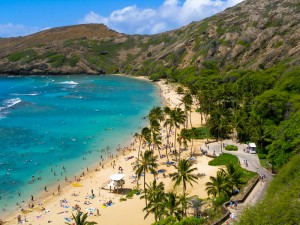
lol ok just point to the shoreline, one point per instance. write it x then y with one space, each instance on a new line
92 181
51 192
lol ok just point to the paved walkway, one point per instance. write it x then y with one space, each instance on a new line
253 165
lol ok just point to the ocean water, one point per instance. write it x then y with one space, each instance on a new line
48 123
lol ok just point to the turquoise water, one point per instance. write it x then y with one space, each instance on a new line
48 123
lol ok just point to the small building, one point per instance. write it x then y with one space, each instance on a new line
252 148
116 181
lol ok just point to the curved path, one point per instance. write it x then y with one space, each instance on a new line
253 165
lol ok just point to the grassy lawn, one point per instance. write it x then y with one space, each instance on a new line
224 159
227 158
202 133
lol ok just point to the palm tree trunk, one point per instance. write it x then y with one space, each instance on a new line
191 119
175 142
169 139
137 180
192 145
145 185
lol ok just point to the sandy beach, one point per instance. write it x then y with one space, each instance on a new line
56 206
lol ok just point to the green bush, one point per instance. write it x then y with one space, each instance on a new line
132 193
16 56
26 56
123 199
231 148
262 156
180 90
186 221
56 60
74 60
191 221
170 220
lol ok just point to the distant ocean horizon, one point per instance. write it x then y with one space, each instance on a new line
52 127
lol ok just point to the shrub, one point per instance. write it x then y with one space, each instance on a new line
231 148
27 56
262 156
123 199
56 60
16 56
180 90
74 60
131 193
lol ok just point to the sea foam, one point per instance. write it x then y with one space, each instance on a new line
69 82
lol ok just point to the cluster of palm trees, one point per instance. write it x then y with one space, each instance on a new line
163 204
171 119
226 181
158 202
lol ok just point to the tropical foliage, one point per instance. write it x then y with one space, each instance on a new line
281 203
81 219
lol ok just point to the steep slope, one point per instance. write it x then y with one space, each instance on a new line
253 34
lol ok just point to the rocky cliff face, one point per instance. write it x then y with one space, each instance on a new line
254 34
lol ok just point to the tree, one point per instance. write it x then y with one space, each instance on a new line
155 116
80 219
146 136
185 174
171 205
218 186
156 113
146 163
187 100
155 195
168 127
234 175
183 138
196 204
157 142
177 118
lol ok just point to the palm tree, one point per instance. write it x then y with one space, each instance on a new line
234 175
192 136
146 163
146 136
187 100
196 204
167 123
157 142
218 185
185 174
154 193
80 219
177 118
139 137
156 113
171 205
183 138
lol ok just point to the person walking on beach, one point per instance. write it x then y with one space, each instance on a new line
58 189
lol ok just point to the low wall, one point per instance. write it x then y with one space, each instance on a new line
226 204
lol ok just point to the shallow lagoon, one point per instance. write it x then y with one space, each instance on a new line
48 123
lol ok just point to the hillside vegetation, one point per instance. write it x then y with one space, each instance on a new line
282 202
253 35
242 65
